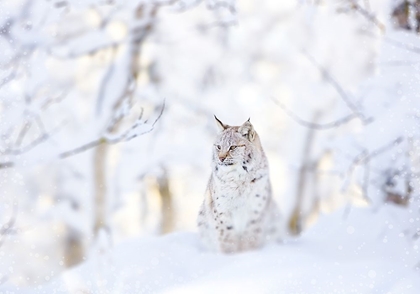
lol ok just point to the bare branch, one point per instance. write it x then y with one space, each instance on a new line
344 96
222 4
136 36
295 223
105 81
42 138
3 280
91 51
53 100
312 125
82 148
23 132
401 45
365 157
127 136
368 15
7 164
218 24
8 226
379 151
182 6
122 138
8 78
366 180
39 123
137 33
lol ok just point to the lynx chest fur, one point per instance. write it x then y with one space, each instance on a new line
238 212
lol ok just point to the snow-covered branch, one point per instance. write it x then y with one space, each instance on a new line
139 128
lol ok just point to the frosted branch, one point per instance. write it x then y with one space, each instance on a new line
133 132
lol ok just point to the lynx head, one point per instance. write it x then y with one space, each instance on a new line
235 144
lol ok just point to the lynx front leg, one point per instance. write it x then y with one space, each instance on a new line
228 242
227 239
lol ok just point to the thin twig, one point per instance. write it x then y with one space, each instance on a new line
312 125
102 140
7 227
7 164
380 150
137 35
344 96
8 78
125 138
90 51
105 81
295 223
42 138
369 16
119 139
221 4
182 6
82 148
364 157
22 133
366 180
401 45
3 280
50 101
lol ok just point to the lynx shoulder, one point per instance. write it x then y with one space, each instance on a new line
238 212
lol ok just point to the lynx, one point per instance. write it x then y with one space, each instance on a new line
238 212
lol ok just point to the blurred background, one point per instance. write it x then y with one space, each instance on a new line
106 115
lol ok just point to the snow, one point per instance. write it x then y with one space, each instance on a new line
346 252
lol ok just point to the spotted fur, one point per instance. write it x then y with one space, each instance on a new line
238 212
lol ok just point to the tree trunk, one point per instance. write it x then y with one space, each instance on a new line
167 209
101 152
73 248
297 218
100 202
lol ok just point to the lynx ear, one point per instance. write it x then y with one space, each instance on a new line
247 130
221 125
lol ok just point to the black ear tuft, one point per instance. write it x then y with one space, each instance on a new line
221 125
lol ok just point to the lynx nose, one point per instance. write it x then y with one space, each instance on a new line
222 158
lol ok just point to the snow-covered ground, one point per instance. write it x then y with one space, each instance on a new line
346 252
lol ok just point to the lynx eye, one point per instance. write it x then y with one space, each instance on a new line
218 147
233 147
